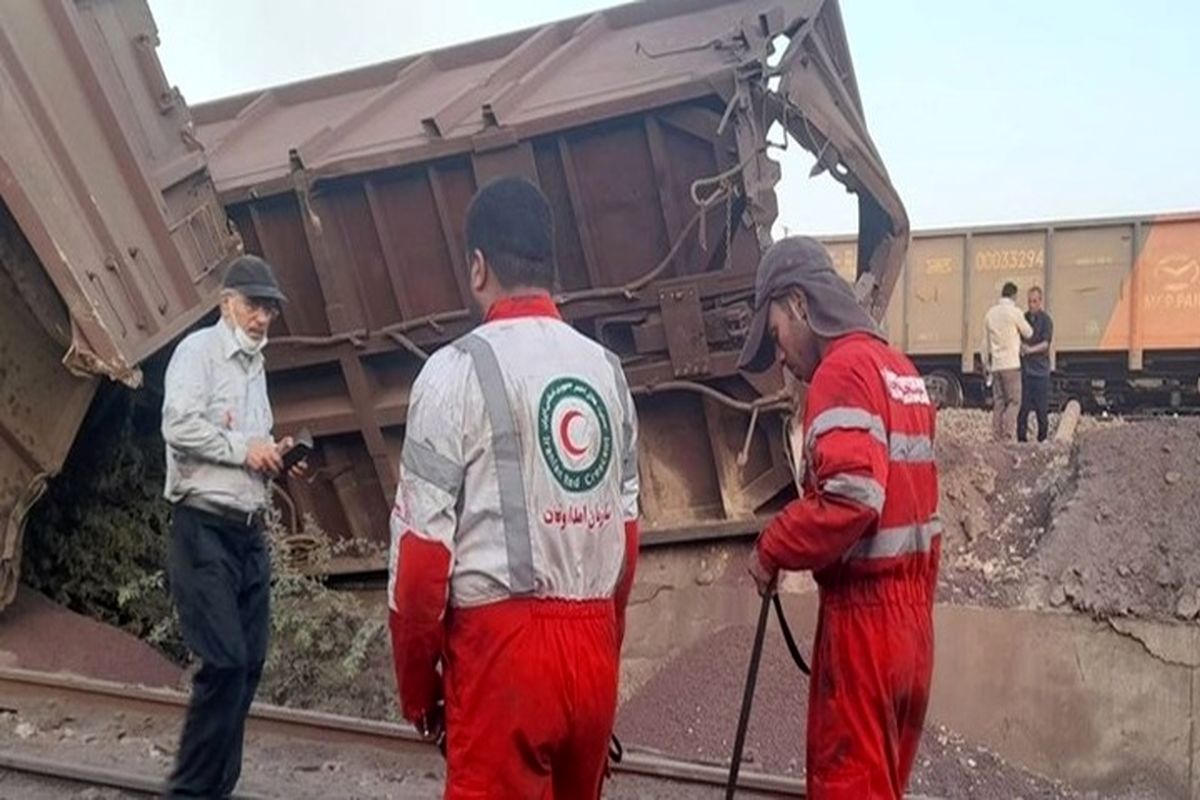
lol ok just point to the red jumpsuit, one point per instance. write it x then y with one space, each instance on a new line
514 541
867 527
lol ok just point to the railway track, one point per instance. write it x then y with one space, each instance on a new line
19 687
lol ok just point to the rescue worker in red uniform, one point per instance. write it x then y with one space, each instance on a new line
514 532
866 523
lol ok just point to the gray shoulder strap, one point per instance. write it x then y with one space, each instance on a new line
506 450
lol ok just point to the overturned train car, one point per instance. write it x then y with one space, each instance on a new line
111 234
647 127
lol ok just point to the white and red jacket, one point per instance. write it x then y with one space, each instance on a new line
518 479
867 522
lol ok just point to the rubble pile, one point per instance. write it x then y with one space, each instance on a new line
1125 541
996 502
1107 525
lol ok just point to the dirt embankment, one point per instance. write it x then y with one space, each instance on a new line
1126 542
1109 526
996 505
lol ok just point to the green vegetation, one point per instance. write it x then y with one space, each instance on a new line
97 543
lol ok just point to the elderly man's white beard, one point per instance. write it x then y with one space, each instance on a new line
247 343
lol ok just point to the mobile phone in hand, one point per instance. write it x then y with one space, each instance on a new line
300 450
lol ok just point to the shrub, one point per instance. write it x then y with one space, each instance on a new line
97 540
97 543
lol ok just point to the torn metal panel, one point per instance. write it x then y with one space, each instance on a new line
41 404
819 104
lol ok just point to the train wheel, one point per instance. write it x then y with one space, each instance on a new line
945 389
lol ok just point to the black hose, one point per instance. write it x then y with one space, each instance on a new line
739 742
788 639
616 750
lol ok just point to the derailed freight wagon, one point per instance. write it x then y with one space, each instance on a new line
111 235
1124 294
647 127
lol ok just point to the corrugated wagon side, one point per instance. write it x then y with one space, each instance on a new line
1124 294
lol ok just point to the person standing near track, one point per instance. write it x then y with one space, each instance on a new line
514 532
1004 327
1035 369
216 422
866 523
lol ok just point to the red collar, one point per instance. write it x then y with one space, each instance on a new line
529 305
845 339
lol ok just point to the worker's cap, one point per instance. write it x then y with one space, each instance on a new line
799 262
253 277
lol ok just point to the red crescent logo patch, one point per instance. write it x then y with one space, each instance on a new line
564 435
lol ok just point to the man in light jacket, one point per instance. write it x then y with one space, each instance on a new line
1004 327
216 422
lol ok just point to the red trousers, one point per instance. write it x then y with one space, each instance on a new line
872 666
531 696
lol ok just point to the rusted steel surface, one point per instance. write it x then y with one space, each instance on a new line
110 228
98 167
646 126
41 404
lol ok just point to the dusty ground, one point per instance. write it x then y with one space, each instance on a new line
38 634
657 716
19 786
274 766
691 706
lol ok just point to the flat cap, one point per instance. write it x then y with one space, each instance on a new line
253 277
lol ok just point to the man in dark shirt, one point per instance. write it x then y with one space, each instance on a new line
1035 369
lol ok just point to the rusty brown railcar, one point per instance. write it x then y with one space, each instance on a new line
647 126
111 234
1124 294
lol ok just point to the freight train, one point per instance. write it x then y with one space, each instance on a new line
1124 294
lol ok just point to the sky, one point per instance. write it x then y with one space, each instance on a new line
984 112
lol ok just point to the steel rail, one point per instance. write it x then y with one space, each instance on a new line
264 718
642 764
88 775
94 775
307 725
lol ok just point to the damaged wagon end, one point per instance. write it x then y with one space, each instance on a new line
111 235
